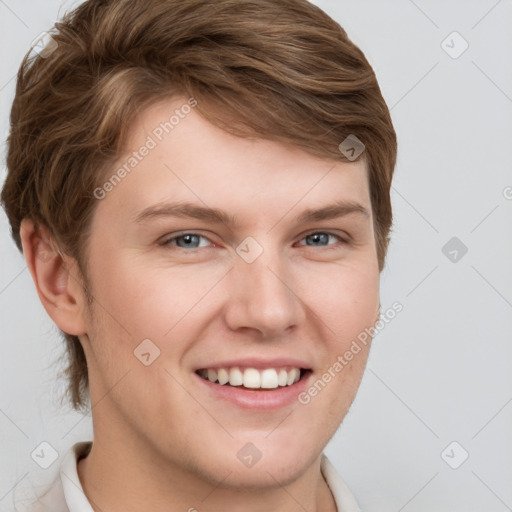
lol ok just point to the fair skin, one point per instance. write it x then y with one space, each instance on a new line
165 439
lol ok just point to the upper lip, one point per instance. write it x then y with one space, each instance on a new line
258 363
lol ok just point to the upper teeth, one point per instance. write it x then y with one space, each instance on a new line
270 378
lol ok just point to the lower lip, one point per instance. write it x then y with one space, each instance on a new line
270 399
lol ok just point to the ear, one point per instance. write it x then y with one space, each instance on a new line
56 276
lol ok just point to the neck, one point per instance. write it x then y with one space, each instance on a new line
121 477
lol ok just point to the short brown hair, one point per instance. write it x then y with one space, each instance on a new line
281 70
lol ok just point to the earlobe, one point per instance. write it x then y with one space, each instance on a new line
56 278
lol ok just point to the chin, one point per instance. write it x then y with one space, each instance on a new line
268 462
268 474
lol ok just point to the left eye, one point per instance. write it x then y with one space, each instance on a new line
321 239
193 240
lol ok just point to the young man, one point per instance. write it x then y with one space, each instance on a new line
201 192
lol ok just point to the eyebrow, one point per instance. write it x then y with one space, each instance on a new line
216 215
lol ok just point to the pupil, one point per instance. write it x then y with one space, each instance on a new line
317 237
188 240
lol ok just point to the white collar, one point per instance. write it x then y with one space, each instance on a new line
73 491
67 495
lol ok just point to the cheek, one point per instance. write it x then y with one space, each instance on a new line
166 305
147 300
347 305
346 299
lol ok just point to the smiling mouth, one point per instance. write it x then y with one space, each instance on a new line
252 378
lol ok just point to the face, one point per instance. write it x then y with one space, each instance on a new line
229 276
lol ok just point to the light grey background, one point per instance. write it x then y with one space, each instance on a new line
441 370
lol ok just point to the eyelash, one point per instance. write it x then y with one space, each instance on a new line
341 240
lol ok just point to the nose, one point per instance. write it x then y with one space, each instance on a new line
263 297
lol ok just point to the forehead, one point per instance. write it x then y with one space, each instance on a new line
172 152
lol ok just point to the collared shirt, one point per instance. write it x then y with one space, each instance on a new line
66 493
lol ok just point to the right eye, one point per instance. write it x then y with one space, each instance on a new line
185 241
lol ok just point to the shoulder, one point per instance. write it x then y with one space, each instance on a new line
62 493
52 499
